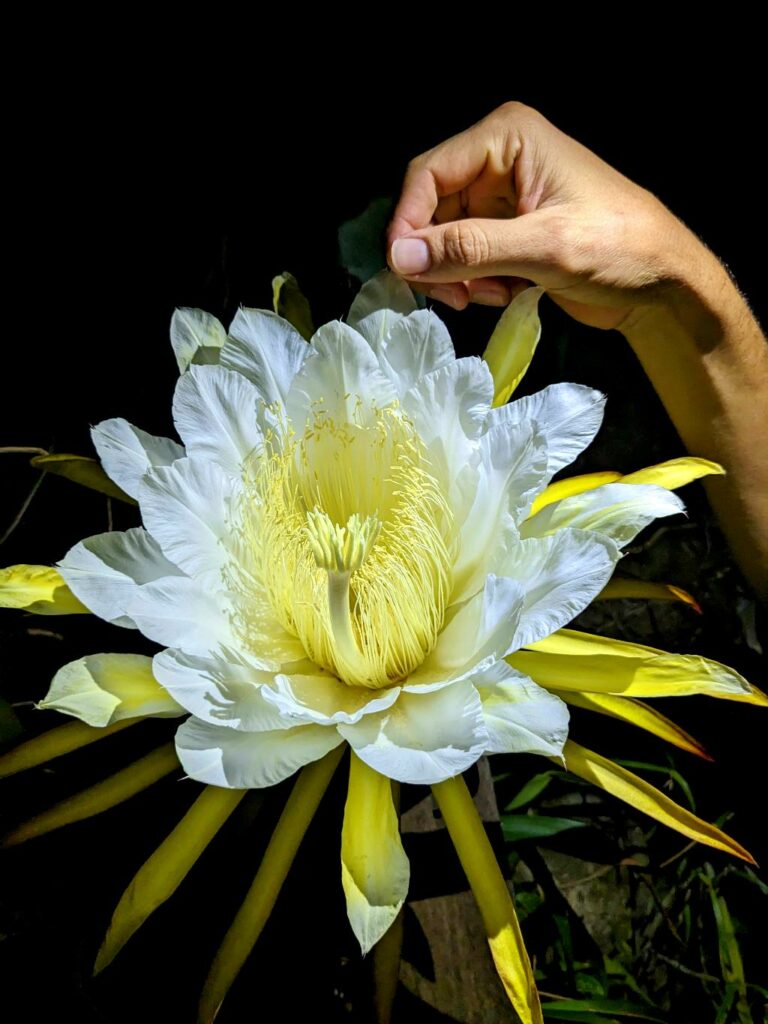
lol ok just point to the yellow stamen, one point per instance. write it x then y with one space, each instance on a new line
347 542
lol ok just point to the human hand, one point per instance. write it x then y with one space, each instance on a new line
514 200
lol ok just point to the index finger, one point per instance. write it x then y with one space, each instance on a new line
439 172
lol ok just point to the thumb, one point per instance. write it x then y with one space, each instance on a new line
479 247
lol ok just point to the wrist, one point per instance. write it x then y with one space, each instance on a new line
694 295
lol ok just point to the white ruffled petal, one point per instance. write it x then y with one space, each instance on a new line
478 632
449 407
219 690
512 470
618 511
324 699
249 760
560 574
520 716
266 349
126 452
215 412
181 612
340 379
568 415
381 302
196 336
185 508
105 571
425 737
414 346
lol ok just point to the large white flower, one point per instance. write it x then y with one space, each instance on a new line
353 544
340 551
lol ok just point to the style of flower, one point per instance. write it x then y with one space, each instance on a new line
358 544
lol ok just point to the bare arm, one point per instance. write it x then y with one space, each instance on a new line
513 200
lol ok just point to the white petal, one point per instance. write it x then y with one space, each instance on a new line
196 335
126 452
618 511
105 571
511 471
380 303
340 372
449 407
101 689
414 346
180 612
184 507
560 575
215 412
267 350
249 760
521 717
425 737
219 690
325 699
569 416
481 630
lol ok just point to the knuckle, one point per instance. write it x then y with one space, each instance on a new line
518 110
465 244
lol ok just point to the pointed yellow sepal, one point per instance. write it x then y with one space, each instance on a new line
55 743
81 469
38 589
289 302
513 342
572 485
672 474
493 897
159 877
571 660
105 794
638 793
260 898
636 713
374 868
618 589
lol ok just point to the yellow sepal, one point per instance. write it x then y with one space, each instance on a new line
374 868
638 793
159 877
493 897
636 713
105 794
513 342
38 589
255 909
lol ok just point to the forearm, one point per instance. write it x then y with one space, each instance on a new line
708 360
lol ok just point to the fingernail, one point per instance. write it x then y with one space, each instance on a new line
490 298
410 256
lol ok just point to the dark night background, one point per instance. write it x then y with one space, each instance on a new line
125 205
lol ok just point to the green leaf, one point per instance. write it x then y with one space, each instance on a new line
361 240
571 1008
659 769
10 726
291 304
517 827
81 470
583 1018
533 788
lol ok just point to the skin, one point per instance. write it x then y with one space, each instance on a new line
514 200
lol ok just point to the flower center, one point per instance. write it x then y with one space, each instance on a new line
351 540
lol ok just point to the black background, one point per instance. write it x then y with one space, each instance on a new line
127 200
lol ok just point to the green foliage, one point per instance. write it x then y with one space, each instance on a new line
678 956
